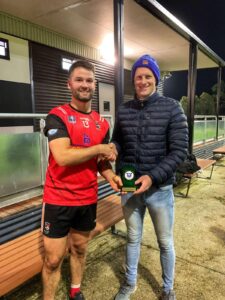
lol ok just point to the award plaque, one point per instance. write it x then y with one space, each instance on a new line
128 177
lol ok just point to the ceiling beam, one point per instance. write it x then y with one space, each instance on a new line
166 17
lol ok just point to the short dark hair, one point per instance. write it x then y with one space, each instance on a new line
81 64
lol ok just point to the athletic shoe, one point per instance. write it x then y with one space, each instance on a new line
125 291
168 296
78 296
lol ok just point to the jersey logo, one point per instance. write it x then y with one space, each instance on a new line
72 119
87 139
47 227
52 131
85 122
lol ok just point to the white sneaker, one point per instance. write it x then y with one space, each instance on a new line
125 291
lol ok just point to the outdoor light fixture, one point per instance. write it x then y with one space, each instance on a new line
107 49
76 4
166 75
4 49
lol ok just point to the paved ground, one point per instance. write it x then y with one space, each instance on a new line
200 255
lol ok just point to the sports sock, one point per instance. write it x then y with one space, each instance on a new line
74 288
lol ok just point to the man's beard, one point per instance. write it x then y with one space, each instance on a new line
77 95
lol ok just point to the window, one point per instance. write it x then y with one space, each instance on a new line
4 48
66 63
106 105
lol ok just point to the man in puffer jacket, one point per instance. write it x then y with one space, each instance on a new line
151 135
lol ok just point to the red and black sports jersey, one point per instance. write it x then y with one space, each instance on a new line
74 185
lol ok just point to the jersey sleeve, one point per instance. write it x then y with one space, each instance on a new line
55 128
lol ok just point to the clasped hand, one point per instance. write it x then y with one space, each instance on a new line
108 152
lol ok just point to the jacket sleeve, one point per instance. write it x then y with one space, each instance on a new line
177 146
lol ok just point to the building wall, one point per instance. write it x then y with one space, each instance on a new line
17 68
32 32
28 81
15 85
49 86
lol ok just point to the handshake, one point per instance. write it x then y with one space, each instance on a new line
107 152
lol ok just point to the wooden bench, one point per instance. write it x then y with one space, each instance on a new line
22 258
203 164
219 151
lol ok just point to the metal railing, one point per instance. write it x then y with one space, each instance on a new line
24 159
205 128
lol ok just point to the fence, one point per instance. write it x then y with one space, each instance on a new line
205 128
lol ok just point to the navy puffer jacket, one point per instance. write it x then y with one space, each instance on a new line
151 135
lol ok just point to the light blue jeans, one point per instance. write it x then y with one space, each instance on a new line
160 204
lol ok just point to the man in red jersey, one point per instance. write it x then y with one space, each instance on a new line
78 146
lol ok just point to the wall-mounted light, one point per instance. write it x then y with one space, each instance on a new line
107 49
76 4
4 49
166 75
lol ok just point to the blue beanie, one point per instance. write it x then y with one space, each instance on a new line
146 61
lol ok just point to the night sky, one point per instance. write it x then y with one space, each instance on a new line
206 19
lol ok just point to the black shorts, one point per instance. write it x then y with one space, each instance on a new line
58 220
